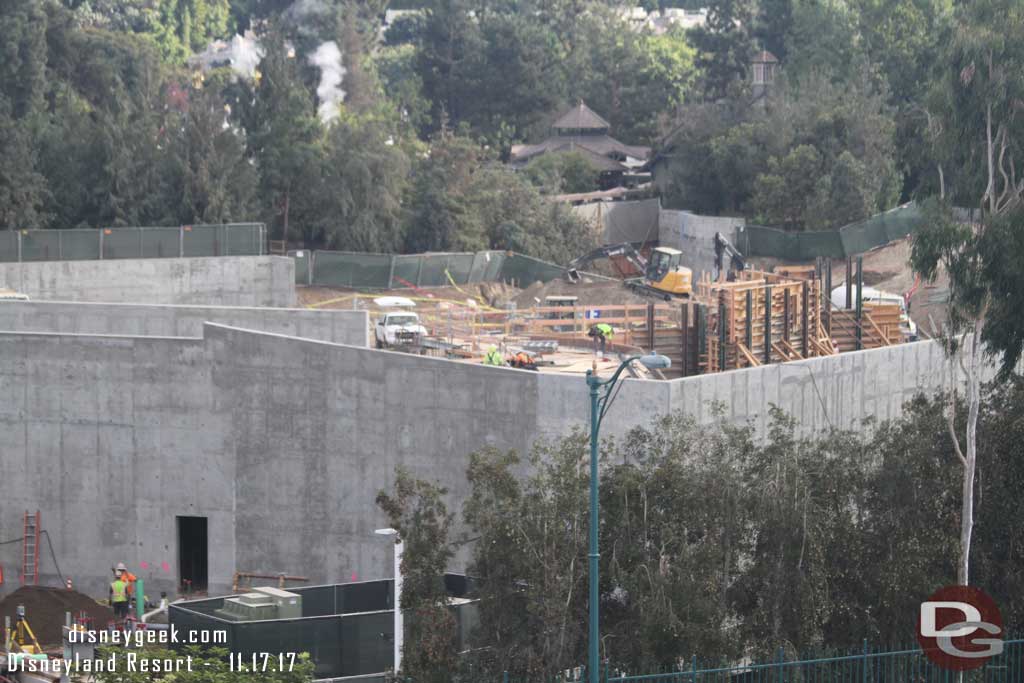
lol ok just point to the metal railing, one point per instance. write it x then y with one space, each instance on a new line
864 666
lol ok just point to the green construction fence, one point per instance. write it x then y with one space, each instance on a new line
857 238
357 270
81 244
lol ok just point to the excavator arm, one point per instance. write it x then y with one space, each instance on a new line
724 248
614 253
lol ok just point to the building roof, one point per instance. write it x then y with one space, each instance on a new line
765 57
580 117
596 148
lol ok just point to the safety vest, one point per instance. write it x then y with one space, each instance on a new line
605 329
493 358
120 591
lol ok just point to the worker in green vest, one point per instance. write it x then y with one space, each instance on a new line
602 334
493 357
119 597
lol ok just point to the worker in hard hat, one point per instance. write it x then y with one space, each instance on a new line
119 597
493 356
602 334
523 360
121 571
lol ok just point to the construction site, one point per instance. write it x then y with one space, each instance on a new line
221 426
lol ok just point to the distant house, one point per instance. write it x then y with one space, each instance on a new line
581 130
763 68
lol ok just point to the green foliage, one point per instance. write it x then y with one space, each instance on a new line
715 542
463 201
561 172
416 510
815 156
23 190
724 46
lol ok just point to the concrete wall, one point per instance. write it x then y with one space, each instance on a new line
219 281
155 320
695 236
283 443
111 438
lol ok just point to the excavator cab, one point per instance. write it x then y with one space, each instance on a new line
665 273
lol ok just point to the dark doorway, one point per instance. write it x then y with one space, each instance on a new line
192 554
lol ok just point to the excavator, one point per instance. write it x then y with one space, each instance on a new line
723 248
662 276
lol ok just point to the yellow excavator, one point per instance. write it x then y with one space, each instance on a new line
661 276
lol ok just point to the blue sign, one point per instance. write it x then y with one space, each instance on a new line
592 314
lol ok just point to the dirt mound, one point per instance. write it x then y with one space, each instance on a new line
45 608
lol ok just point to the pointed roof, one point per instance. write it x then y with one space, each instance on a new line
765 57
580 117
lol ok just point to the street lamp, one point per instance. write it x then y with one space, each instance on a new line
397 639
599 402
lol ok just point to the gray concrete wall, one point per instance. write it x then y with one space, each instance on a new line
112 438
283 443
695 236
157 320
219 281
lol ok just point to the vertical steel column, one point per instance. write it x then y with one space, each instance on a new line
721 336
804 318
750 320
849 282
685 325
828 297
767 325
860 301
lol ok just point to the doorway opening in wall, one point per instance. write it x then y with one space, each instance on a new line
192 555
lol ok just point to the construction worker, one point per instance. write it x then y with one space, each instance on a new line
523 360
602 334
119 598
493 357
122 571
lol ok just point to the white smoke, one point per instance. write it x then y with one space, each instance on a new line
328 58
246 54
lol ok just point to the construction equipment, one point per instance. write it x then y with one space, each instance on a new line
662 276
20 638
736 261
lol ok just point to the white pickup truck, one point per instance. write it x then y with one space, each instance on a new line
399 329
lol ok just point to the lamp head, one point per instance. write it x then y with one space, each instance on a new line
386 532
655 361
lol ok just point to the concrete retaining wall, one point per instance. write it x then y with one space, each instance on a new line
219 281
695 236
283 443
154 320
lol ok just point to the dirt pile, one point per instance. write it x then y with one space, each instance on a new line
45 608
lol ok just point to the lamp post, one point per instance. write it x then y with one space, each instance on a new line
397 638
599 402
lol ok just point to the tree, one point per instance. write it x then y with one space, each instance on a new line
416 510
218 183
562 172
23 190
979 97
723 46
284 135
22 56
364 183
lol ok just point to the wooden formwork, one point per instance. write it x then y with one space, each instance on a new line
762 318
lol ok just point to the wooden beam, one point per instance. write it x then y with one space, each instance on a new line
745 352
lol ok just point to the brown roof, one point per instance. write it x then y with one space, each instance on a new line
765 57
594 147
580 117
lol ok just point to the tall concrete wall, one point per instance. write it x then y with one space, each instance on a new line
695 236
156 320
111 438
219 281
283 442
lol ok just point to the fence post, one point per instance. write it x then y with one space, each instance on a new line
181 241
504 677
19 248
693 668
684 324
101 230
864 662
60 245
782 669
849 282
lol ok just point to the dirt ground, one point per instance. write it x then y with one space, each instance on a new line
45 608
